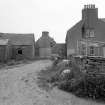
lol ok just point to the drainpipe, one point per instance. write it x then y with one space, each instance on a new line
77 48
86 47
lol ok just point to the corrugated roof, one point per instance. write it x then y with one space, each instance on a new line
103 19
19 39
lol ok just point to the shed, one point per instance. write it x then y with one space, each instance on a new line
22 45
4 50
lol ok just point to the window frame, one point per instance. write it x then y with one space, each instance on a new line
90 33
91 52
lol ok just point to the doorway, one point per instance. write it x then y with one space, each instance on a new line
20 51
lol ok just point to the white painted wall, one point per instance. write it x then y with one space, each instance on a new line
70 51
104 52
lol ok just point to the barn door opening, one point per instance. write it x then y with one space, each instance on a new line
19 54
20 51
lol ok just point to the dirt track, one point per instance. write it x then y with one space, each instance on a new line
18 86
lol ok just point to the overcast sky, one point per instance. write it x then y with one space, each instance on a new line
35 16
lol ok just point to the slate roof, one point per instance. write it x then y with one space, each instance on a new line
78 26
19 39
45 41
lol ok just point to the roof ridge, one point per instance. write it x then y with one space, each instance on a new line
18 33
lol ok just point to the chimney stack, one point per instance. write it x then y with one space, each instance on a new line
45 33
90 6
90 15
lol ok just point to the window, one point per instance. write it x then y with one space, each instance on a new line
91 50
19 51
87 33
52 44
90 33
83 50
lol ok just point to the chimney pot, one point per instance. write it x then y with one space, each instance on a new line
45 33
91 6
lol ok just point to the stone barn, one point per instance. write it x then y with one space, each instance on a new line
87 37
44 45
22 45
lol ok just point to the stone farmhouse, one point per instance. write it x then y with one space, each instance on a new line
87 37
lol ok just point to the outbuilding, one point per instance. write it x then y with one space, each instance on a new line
22 45
44 45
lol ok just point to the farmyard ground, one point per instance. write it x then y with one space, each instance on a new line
18 86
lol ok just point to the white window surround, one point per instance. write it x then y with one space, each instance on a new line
92 50
90 33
